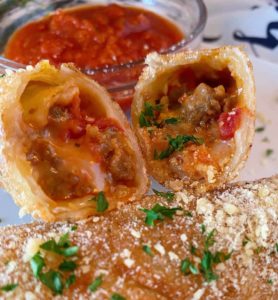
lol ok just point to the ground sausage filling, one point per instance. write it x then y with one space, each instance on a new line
76 151
190 127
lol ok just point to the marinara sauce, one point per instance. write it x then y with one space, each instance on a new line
93 37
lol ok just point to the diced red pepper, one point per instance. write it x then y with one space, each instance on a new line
228 123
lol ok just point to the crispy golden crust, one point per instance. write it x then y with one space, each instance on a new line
245 219
158 70
16 172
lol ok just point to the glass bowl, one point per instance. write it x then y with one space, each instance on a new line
189 15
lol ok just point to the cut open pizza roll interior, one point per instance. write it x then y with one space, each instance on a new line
193 113
67 150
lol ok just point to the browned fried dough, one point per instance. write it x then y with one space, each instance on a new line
226 242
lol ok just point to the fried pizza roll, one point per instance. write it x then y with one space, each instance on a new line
67 150
222 245
193 113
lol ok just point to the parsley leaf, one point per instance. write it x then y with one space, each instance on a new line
158 212
116 296
52 280
9 287
270 281
169 196
37 263
67 266
172 121
276 246
70 280
188 214
206 267
102 203
177 144
147 116
74 228
269 152
95 284
260 129
188 267
147 249
209 240
203 228
63 247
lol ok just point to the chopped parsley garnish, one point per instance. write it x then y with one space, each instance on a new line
74 228
188 267
53 280
260 129
188 214
269 281
102 203
208 259
269 152
117 296
37 263
245 241
63 247
193 249
147 116
276 247
67 266
169 196
9 287
2 75
177 144
172 121
203 228
158 212
147 249
70 280
95 284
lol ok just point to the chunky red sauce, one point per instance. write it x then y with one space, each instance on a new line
93 37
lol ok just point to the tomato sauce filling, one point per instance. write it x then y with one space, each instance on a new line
190 126
93 37
75 150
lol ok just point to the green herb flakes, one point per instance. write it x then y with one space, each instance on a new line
147 249
260 129
9 287
67 266
70 280
148 115
63 247
74 228
116 296
269 281
203 228
208 259
53 281
158 212
276 247
269 152
187 213
102 203
95 284
37 263
169 196
177 144
172 121
187 267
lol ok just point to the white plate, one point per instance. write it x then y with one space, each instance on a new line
258 164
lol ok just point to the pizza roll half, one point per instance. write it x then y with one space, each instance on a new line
193 113
67 150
